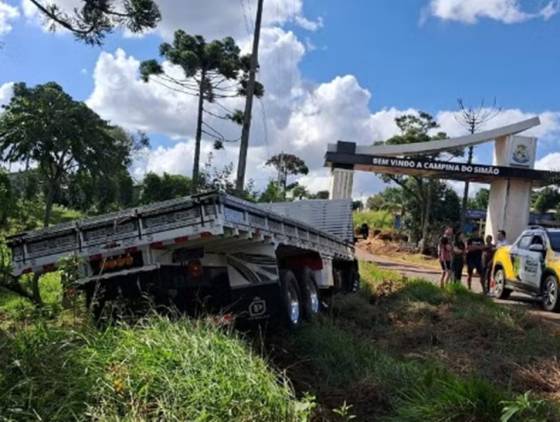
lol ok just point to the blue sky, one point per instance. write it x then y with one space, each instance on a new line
332 70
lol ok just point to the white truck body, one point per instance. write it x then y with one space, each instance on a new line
250 242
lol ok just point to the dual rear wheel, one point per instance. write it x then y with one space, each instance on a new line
300 300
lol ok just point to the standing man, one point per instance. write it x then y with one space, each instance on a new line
445 253
475 245
487 261
501 239
458 257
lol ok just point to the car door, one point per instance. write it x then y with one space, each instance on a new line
518 254
533 262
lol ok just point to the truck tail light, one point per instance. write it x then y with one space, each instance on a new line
194 268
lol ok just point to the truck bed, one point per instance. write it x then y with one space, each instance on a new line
194 218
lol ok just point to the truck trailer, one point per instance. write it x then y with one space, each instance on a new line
206 252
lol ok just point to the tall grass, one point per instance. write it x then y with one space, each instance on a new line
158 370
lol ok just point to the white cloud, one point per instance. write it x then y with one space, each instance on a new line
549 162
471 11
7 14
299 118
6 93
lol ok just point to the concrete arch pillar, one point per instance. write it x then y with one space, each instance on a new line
509 202
342 183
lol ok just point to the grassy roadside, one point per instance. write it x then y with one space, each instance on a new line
55 366
400 350
409 351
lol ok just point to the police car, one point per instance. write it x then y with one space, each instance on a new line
531 265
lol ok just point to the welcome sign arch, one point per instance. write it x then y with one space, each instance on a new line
511 177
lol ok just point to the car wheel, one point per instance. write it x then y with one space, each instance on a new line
551 301
500 290
311 304
292 309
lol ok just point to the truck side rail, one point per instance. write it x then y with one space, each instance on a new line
164 223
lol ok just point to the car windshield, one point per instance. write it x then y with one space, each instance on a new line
554 240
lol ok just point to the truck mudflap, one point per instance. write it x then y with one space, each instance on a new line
256 303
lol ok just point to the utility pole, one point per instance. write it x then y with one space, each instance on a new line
245 131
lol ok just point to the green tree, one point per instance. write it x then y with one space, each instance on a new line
272 193
322 194
546 199
287 165
357 205
95 18
7 199
299 192
415 129
211 71
480 200
375 202
160 188
46 126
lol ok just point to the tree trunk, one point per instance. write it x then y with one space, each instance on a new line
35 290
49 203
427 216
198 140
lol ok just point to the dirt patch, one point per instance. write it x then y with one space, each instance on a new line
397 251
506 347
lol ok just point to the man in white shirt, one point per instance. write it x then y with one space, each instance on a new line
501 241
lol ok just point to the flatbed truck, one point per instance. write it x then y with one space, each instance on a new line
210 251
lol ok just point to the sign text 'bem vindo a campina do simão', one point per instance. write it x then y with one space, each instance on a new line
407 163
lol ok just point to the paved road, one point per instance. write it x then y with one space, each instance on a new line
417 271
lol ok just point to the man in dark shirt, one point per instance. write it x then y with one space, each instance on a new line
475 246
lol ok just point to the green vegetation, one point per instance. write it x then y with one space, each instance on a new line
405 350
158 369
381 220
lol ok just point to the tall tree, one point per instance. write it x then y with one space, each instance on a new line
46 126
7 198
160 188
287 165
96 18
414 129
211 71
472 119
480 200
546 199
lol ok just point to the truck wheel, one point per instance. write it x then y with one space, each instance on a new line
292 309
551 301
500 290
309 295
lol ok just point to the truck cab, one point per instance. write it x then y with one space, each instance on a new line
530 265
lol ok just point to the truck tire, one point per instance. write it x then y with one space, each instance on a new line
500 290
291 300
310 301
551 301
